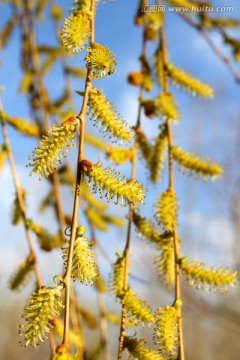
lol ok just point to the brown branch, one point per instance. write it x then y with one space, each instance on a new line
171 187
130 216
81 117
212 45
23 215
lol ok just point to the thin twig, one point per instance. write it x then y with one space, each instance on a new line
130 216
212 45
23 215
171 187
82 117
102 307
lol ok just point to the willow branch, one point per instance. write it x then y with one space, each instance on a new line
213 46
23 215
130 216
81 117
171 187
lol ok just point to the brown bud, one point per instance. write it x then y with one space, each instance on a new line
149 108
63 349
85 165
135 78
70 121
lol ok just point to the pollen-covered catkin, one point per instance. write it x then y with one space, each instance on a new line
166 210
22 274
75 32
188 82
146 228
138 310
208 279
166 261
104 114
52 148
166 332
84 267
25 127
167 107
100 60
115 187
43 306
138 350
192 163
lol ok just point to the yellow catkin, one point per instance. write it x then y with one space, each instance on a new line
20 278
16 211
3 156
156 161
166 332
43 306
52 148
139 351
166 210
118 155
167 107
147 229
74 339
192 163
104 114
166 261
75 32
138 310
25 127
199 276
100 60
114 187
189 83
84 267
117 277
96 142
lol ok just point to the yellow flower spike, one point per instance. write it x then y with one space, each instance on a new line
147 229
16 212
96 142
119 155
101 60
74 339
43 306
114 187
166 332
143 145
156 161
192 163
75 32
117 276
138 310
52 148
20 278
46 241
96 219
166 262
167 107
159 67
25 127
90 199
3 156
139 351
166 210
188 82
208 279
104 114
84 267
